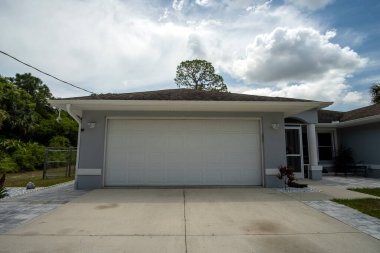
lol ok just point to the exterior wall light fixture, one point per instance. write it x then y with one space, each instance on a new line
91 124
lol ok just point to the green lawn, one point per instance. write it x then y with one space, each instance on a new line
370 191
21 179
368 206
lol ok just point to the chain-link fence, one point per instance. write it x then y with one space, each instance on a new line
59 162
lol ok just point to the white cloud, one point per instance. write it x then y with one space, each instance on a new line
196 47
310 4
178 4
120 46
302 62
165 15
353 97
100 45
203 2
294 55
258 7
331 87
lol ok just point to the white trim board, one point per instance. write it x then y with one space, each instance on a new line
89 172
271 172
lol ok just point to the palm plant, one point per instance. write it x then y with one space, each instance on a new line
375 93
3 191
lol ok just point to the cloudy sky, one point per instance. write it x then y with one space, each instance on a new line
316 49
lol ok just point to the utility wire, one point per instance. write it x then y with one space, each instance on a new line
73 85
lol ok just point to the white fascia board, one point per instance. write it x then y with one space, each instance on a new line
361 121
349 123
327 125
289 108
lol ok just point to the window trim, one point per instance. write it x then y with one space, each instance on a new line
333 142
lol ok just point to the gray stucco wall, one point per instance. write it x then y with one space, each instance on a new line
91 151
308 116
364 141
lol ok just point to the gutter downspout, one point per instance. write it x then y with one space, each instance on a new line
79 121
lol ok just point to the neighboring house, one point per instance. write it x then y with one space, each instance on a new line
188 137
358 130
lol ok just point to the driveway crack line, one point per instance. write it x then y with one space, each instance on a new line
184 216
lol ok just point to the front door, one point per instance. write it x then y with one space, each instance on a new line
294 154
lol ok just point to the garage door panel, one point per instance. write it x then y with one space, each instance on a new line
174 159
133 159
193 175
118 175
117 141
155 175
134 141
175 142
183 152
214 157
156 141
136 175
118 158
175 176
194 142
213 176
155 160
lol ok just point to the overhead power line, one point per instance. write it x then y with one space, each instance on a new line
43 72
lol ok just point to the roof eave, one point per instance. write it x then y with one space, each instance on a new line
361 121
354 122
286 107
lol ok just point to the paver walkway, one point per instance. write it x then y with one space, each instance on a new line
351 182
20 209
336 187
365 223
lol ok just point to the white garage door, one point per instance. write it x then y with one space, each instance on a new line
183 152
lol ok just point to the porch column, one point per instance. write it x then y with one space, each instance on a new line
315 170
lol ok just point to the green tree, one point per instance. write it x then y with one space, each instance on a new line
27 121
199 75
19 107
48 127
3 116
26 113
375 93
37 89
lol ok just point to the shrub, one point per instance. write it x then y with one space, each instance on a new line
3 192
11 145
59 141
29 157
287 173
7 164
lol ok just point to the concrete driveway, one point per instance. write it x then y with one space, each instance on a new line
186 220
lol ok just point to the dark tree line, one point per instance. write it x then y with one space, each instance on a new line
27 123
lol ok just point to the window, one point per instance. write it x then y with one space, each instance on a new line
325 146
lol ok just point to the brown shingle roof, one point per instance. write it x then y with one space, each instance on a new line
326 116
363 112
185 94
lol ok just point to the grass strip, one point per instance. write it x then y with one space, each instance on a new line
21 179
370 191
370 206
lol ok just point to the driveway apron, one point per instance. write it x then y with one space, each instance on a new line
186 220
